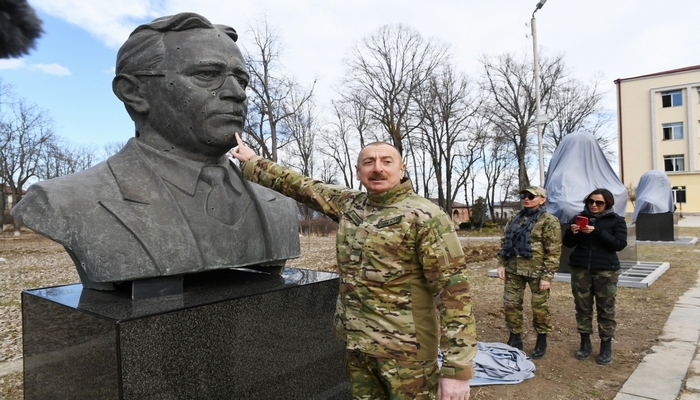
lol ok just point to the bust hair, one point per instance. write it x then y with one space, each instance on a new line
144 49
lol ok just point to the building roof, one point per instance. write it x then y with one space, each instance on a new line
455 204
669 72
507 204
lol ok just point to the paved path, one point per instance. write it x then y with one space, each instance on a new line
661 374
672 370
690 221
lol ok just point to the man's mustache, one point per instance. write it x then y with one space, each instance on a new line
377 176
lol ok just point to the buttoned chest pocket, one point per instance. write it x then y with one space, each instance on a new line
387 250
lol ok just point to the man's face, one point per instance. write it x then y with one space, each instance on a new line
379 168
188 108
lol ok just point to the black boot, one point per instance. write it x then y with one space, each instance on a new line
515 341
605 356
585 351
540 347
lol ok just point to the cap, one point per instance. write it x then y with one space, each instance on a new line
536 190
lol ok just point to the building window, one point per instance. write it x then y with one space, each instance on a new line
673 131
672 99
674 162
678 194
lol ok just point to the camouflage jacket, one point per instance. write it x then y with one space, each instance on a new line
404 289
545 240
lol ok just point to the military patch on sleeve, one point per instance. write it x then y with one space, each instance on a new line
354 217
388 222
452 242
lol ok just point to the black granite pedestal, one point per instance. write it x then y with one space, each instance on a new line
230 335
659 227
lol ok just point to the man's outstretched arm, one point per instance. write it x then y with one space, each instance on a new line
241 152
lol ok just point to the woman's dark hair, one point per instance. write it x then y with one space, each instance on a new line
607 196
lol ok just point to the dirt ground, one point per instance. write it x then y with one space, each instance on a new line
31 261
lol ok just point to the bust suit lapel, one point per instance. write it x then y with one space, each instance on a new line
149 211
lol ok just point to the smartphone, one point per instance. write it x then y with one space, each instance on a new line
581 221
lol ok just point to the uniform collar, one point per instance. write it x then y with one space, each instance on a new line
393 195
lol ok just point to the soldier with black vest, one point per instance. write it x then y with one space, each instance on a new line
529 255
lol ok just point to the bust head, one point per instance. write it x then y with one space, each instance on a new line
182 80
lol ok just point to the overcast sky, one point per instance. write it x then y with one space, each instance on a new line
69 73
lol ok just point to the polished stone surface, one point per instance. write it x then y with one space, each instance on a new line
230 335
657 227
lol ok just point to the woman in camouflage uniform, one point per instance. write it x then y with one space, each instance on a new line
595 269
529 255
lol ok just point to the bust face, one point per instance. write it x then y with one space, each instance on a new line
200 101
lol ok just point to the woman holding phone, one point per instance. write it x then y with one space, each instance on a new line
596 234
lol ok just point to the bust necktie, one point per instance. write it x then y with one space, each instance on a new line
219 200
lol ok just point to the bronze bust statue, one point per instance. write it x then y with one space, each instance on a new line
170 202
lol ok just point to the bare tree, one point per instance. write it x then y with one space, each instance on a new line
337 142
446 109
62 158
418 162
497 161
385 69
26 132
328 172
301 125
509 84
573 106
112 148
270 89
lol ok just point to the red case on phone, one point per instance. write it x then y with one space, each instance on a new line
581 221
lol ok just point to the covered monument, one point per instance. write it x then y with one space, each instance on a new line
653 209
578 167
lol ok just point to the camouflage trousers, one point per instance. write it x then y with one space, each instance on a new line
601 286
374 378
513 295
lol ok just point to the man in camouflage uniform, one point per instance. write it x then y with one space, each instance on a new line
529 255
404 291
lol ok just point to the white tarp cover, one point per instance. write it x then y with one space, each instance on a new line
654 194
578 167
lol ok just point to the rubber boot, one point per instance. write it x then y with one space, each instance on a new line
605 356
540 347
515 341
585 351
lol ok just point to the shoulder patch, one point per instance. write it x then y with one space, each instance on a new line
453 246
388 222
354 217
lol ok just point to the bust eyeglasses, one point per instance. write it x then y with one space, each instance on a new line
210 79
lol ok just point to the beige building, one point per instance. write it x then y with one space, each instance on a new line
659 129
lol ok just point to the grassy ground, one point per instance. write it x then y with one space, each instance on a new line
32 261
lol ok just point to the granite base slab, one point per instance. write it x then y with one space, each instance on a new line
231 335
